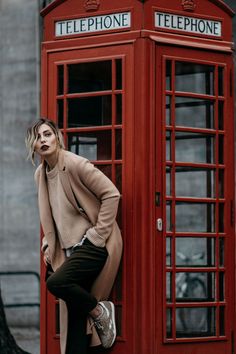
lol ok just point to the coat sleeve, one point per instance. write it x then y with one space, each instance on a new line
108 196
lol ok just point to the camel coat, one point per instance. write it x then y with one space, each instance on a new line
87 187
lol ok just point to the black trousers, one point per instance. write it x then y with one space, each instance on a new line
72 283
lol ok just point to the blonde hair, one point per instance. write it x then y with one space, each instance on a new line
32 136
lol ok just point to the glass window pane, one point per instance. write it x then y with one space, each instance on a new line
221 149
221 183
168 287
195 286
221 115
168 75
169 323
194 112
118 74
168 251
106 169
119 313
194 182
195 322
119 177
222 252
194 147
168 110
60 81
118 109
195 217
89 111
168 216
168 146
222 321
168 181
89 77
195 78
221 217
118 144
195 252
221 81
60 113
222 286
91 145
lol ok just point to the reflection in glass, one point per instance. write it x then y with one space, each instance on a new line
91 145
168 75
221 114
195 322
168 146
118 74
195 251
195 78
194 112
195 182
222 286
195 286
118 109
168 287
168 251
60 82
168 216
222 321
60 113
89 111
194 147
169 323
168 110
221 252
195 217
89 77
168 181
221 81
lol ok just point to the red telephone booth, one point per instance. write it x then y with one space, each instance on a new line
144 89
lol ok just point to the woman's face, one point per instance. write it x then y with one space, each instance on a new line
46 145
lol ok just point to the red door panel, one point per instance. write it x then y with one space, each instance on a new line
197 241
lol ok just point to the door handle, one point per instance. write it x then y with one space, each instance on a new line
159 224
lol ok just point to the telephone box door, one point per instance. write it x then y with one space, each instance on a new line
195 227
88 91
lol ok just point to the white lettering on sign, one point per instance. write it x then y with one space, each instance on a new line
188 24
93 24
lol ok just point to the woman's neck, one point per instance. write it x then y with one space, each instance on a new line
52 160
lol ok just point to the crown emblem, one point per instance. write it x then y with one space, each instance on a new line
188 5
91 5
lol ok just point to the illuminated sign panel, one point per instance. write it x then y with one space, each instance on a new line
188 24
93 24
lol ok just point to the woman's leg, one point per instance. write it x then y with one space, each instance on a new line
72 283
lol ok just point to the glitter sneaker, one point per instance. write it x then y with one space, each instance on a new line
105 324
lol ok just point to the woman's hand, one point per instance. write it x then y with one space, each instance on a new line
46 256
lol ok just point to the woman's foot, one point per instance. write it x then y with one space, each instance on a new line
105 323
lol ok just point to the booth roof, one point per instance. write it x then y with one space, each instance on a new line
56 3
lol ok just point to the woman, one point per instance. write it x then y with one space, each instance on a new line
82 242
